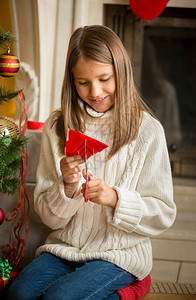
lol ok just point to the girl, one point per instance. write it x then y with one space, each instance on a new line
98 248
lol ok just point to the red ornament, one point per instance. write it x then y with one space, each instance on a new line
148 9
9 64
2 216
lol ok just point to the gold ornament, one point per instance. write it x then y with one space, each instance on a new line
8 127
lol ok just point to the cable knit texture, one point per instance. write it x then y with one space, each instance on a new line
140 173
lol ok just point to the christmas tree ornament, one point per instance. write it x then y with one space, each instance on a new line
148 10
9 64
2 216
7 127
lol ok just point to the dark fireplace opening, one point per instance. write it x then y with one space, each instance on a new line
164 61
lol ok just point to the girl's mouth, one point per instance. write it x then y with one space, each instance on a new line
98 101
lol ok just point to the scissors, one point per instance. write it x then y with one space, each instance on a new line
88 176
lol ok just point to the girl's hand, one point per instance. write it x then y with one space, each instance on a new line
71 171
99 192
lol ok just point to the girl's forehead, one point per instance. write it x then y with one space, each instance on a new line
91 66
88 61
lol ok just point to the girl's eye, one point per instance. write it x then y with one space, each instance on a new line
82 83
104 79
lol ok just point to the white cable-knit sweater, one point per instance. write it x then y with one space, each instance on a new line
141 175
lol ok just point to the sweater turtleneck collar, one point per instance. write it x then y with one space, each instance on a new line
95 114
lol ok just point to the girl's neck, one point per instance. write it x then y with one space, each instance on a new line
93 113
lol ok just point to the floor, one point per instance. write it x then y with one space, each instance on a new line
153 296
171 291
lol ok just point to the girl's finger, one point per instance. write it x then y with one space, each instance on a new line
84 173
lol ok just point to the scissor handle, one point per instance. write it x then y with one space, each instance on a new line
86 190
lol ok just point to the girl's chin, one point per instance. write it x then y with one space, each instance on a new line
98 107
101 109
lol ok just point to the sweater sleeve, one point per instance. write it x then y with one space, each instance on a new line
148 209
50 201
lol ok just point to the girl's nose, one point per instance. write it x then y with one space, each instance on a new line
95 90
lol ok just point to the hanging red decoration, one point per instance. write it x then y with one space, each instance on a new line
2 216
9 64
148 9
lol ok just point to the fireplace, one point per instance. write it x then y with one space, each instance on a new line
164 62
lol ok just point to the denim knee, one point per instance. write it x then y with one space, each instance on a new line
19 291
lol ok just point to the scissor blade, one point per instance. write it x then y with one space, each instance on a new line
85 156
86 167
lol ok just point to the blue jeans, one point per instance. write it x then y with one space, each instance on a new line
49 277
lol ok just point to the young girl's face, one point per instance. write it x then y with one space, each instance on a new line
95 83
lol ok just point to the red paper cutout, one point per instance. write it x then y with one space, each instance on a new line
148 9
75 144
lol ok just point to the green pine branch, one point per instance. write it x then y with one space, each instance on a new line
11 147
9 185
6 37
6 95
11 153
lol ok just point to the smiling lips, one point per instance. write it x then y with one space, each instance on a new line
98 101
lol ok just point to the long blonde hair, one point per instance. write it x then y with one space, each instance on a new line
101 44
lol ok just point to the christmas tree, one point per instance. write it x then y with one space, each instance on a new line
13 158
11 142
